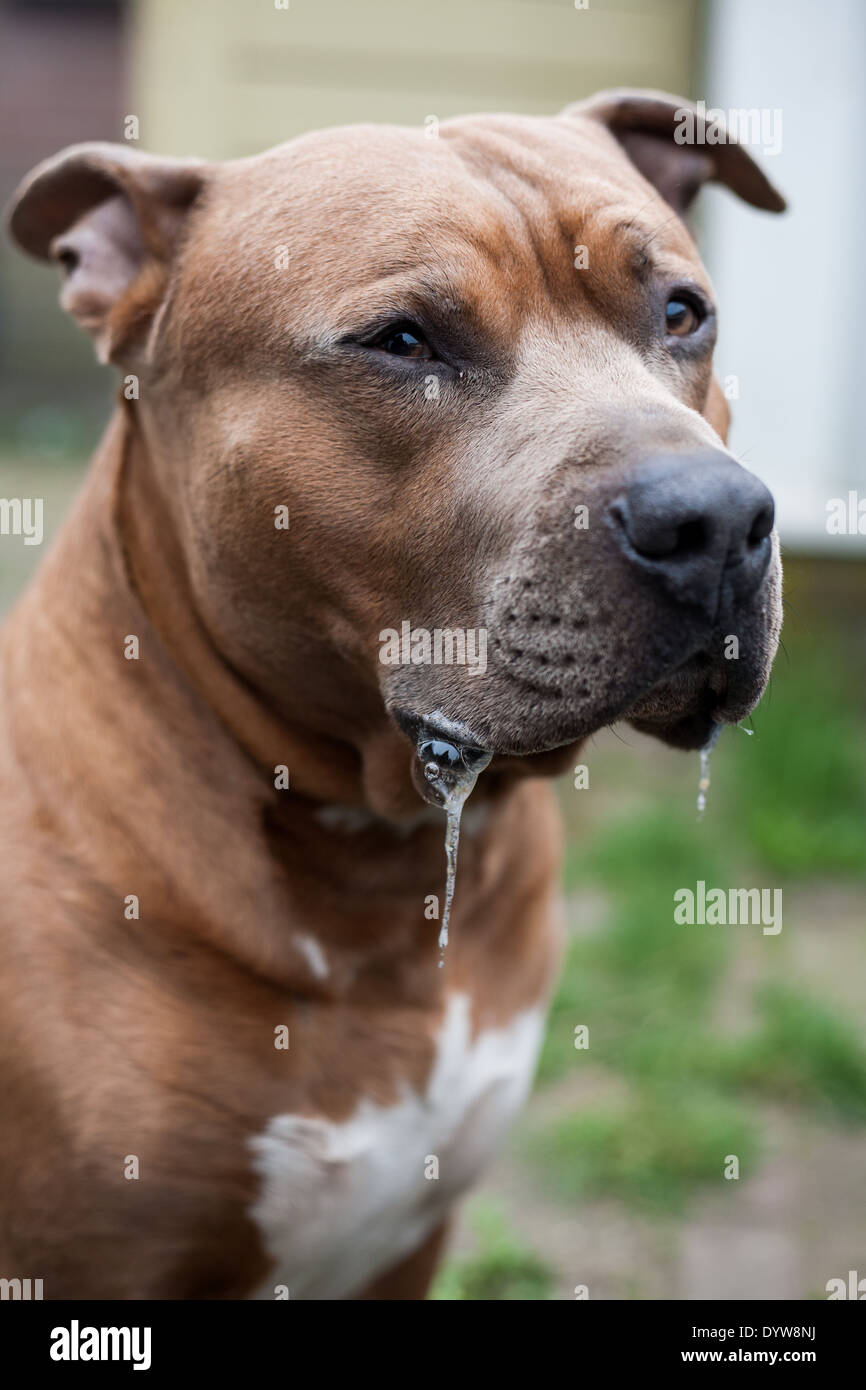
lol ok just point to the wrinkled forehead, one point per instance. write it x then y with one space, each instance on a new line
370 219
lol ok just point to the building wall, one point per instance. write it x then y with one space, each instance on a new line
793 288
62 80
223 79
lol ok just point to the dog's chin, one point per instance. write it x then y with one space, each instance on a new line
686 709
683 709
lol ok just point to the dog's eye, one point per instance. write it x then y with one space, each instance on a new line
683 316
403 340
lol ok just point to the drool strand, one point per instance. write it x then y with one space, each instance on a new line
452 840
704 777
445 773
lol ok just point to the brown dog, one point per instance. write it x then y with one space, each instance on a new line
474 373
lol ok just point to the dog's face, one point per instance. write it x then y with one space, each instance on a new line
477 370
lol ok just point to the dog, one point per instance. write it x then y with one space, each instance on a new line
371 383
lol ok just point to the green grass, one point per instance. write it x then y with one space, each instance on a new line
641 983
502 1269
786 805
802 1053
650 1149
799 787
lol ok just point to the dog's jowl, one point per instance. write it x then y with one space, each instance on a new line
476 374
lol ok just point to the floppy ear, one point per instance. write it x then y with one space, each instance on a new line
666 138
113 219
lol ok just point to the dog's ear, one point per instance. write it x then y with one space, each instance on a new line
676 148
113 219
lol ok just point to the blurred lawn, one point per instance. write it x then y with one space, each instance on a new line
706 1041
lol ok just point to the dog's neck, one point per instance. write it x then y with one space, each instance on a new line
320 768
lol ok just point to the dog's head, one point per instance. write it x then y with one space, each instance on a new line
475 366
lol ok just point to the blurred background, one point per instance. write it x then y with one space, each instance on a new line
704 1042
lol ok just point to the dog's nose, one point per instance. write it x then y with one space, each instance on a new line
690 520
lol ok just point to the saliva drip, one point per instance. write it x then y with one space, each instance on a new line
704 777
445 773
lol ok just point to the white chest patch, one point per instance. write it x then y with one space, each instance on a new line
340 1203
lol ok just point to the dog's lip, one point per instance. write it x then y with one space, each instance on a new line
472 747
711 698
718 700
436 725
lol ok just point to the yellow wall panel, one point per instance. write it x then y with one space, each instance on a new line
224 78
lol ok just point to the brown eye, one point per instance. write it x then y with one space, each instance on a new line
681 317
403 341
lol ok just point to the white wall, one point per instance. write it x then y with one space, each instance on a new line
793 288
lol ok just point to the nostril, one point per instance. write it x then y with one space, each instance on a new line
692 537
655 535
762 525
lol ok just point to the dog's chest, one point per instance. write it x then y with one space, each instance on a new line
340 1203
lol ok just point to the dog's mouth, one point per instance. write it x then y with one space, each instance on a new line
448 756
687 707
684 708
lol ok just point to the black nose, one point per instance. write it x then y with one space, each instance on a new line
691 521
